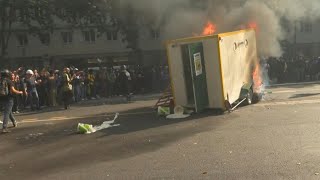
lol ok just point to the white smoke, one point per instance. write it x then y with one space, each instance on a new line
181 18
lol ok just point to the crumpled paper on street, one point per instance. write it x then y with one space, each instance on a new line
89 129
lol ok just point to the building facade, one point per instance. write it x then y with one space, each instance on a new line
83 47
306 40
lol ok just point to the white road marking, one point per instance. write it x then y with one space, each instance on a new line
64 118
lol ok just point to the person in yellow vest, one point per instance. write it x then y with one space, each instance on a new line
91 80
67 88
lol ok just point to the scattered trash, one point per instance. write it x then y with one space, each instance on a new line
205 173
149 140
298 163
68 130
189 111
195 143
178 113
88 128
230 152
85 128
36 134
1 122
32 135
316 174
107 124
238 104
163 111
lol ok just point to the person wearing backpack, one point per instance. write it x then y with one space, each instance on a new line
7 90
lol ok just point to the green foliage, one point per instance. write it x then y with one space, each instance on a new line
33 16
40 17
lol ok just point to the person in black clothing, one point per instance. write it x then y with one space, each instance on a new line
6 99
123 79
42 88
15 96
76 85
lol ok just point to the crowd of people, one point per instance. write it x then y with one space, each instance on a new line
280 70
36 89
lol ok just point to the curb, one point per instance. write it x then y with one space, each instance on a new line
292 84
119 100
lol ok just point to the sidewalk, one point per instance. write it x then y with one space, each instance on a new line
121 99
293 84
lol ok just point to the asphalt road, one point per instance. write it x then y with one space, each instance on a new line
277 138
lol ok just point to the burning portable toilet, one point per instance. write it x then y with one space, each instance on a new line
214 71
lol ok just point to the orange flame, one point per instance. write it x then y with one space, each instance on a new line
209 29
257 79
253 25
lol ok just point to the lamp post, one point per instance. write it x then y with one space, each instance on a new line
295 41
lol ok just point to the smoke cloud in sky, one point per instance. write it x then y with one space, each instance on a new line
182 18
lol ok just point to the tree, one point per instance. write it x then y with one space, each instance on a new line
32 16
102 15
85 13
40 17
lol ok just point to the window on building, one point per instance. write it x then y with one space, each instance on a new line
89 36
62 12
155 33
23 14
306 27
112 35
38 12
115 35
45 39
22 39
67 37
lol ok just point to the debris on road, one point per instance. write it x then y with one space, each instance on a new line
36 134
107 124
163 111
89 129
238 104
31 136
316 174
85 128
267 92
178 113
